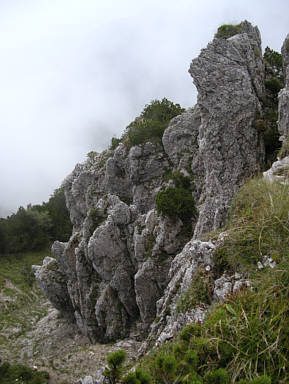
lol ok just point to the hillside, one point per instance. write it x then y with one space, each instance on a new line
178 240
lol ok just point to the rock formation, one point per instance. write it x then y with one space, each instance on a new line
283 106
125 262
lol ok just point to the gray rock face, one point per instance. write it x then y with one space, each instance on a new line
278 172
283 106
119 268
169 320
229 76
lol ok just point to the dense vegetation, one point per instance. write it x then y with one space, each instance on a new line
244 339
36 226
19 373
176 202
150 125
21 307
267 124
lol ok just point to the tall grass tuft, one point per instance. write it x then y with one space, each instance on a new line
258 226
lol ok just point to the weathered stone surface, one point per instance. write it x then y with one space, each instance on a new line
283 106
180 139
53 282
181 275
229 76
278 172
115 265
285 57
119 269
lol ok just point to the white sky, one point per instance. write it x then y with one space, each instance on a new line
73 73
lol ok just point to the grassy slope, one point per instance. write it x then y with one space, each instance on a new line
245 339
20 299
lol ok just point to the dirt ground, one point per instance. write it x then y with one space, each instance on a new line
54 345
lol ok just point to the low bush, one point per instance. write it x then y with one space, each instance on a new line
152 122
228 30
10 374
176 203
115 362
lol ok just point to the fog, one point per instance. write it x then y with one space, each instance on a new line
75 73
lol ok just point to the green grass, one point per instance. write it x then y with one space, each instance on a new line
244 339
20 297
258 226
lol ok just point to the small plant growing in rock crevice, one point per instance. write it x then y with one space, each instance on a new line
176 203
96 219
200 291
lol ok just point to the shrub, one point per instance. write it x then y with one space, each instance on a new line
176 202
273 85
152 122
220 376
228 30
274 60
22 374
114 143
115 361
274 81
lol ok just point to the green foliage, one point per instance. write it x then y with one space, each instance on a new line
36 226
258 226
267 124
261 380
9 374
114 143
228 30
152 122
115 362
137 377
17 283
56 207
219 376
96 219
244 339
274 60
200 291
176 202
273 85
179 179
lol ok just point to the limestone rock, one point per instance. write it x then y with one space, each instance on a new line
53 282
278 172
119 270
229 76
169 321
283 105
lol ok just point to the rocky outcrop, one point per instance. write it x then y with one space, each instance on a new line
229 76
119 269
283 106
